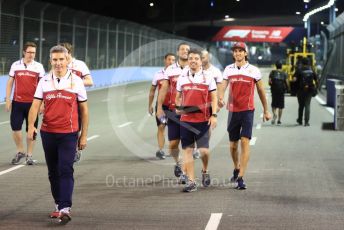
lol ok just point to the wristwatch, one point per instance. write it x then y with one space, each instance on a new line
214 115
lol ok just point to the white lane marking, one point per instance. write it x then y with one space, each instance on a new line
330 110
214 221
125 124
259 126
92 137
253 140
322 102
11 169
4 122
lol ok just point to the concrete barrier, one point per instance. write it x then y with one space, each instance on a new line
106 77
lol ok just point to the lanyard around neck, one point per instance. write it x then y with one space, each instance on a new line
71 82
203 82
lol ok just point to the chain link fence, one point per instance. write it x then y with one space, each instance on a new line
102 42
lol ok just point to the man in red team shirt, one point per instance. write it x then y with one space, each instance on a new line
80 69
24 74
62 92
192 101
168 88
241 77
169 59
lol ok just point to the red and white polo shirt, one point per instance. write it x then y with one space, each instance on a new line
216 73
61 97
195 89
157 82
79 68
26 78
241 86
171 74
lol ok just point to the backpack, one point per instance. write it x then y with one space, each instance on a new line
278 79
306 81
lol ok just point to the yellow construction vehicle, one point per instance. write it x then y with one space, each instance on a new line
293 62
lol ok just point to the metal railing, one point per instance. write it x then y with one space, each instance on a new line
100 41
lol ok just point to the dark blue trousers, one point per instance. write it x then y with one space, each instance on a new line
59 149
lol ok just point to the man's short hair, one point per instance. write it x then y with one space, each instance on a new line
68 46
169 54
182 44
305 61
195 51
278 65
29 44
58 49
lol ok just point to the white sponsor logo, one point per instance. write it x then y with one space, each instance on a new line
27 74
237 33
58 95
276 34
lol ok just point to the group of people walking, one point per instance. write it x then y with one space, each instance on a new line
191 92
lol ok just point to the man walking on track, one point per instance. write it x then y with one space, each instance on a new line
241 77
62 93
24 75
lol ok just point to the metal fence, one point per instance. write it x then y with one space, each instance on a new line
334 66
102 42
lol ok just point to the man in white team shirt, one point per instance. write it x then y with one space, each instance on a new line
169 59
194 87
80 69
24 75
242 78
217 75
62 92
168 88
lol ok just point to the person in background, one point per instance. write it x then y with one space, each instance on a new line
80 69
169 59
278 85
24 75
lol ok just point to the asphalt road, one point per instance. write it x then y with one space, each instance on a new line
295 176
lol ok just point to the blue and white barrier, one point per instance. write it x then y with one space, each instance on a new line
104 78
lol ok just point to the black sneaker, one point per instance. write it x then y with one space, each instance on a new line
17 158
235 175
160 154
299 121
205 178
279 122
306 124
190 187
178 170
241 184
183 179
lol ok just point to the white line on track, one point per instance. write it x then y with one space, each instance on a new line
214 221
22 165
253 140
11 169
125 124
322 102
92 137
4 122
